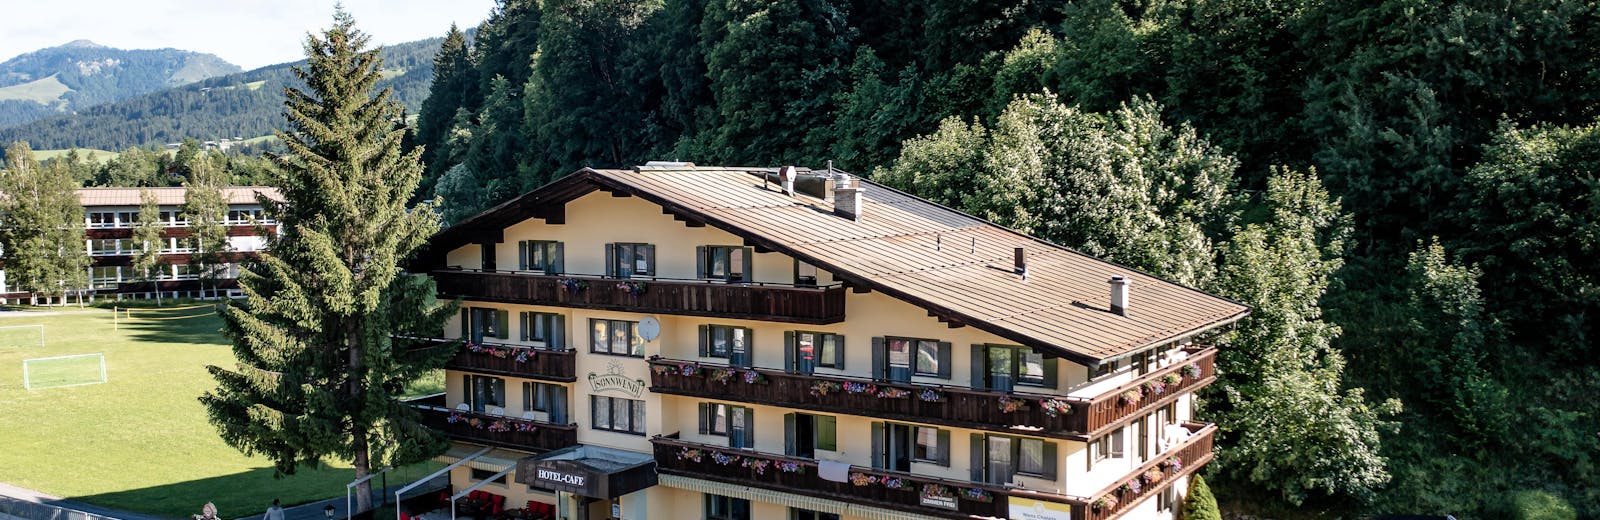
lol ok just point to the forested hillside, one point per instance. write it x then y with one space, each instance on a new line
1404 191
82 74
247 104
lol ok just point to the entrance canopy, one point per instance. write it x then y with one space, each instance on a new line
589 471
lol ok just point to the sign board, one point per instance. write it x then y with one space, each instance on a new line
1023 509
614 380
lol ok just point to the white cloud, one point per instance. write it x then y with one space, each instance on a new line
248 33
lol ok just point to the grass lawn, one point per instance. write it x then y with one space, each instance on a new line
99 155
140 441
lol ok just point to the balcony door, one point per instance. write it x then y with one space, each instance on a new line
806 433
479 323
892 446
1004 368
483 392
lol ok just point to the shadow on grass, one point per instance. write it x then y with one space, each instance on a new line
244 494
198 326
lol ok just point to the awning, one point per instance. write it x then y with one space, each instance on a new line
496 460
788 499
589 471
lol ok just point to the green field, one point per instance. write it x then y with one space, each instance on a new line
140 441
99 155
42 91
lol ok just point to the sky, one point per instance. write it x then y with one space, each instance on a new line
247 33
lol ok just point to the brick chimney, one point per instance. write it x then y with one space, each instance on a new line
847 198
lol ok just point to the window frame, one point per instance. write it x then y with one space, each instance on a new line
632 415
633 338
800 280
548 252
615 259
821 357
727 504
930 454
710 254
481 475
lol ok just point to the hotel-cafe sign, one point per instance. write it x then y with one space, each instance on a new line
615 381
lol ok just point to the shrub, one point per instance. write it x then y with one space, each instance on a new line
1200 504
1540 505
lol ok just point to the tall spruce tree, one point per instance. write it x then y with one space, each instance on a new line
147 239
206 209
320 339
454 79
42 233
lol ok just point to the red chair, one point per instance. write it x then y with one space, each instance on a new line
496 504
404 516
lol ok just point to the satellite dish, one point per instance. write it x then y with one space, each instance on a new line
649 328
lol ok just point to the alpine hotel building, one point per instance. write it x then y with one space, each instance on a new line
682 342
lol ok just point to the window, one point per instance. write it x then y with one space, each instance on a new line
1103 369
488 256
1167 500
617 414
1003 367
545 398
805 433
478 323
737 423
928 358
629 260
719 507
1141 362
809 350
544 327
482 392
897 359
805 274
1005 457
796 513
101 219
244 216
616 337
1107 447
731 343
1030 368
480 475
730 263
539 255
932 445
1032 460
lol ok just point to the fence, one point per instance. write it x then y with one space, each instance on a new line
36 511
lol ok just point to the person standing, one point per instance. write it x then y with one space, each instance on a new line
275 512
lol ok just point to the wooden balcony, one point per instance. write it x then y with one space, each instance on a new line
677 457
749 301
1120 498
1072 418
516 361
493 430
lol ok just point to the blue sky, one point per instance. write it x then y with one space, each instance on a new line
248 33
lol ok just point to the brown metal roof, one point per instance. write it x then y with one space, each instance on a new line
956 266
90 197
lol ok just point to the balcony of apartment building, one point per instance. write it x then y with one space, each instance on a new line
933 496
1069 417
494 426
538 362
766 301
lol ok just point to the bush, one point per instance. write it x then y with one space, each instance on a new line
1200 504
1540 505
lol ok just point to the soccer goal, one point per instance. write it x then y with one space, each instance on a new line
63 371
16 336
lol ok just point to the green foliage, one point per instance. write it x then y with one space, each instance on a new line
454 80
207 212
1199 503
147 230
1540 505
42 233
321 363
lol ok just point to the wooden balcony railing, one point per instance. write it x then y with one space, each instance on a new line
1043 415
516 361
494 430
1181 460
751 301
886 489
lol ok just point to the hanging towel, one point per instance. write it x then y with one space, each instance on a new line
834 471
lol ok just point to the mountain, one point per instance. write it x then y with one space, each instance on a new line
81 74
244 104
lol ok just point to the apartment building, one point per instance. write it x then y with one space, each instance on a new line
678 342
109 217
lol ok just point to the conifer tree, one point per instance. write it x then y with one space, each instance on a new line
453 82
42 233
320 339
148 241
207 211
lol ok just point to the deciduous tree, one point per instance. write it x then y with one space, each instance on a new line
147 263
42 228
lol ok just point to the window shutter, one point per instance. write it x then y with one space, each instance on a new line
749 347
611 259
705 418
789 357
838 352
523 319
705 340
749 440
558 404
826 424
502 322
558 332
944 359
700 261
942 454
558 264
789 434
877 445
980 373
747 275
522 255
977 458
1050 461
650 258
527 396
1051 366
466 324
466 389
879 358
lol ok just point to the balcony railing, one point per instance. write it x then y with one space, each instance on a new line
1111 407
494 430
515 361
902 492
753 301
1176 462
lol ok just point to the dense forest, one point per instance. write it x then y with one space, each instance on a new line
1404 191
247 104
82 74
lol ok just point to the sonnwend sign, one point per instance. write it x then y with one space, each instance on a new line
615 380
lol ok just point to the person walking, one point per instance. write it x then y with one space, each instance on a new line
275 512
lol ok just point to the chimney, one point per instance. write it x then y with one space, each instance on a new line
847 198
786 176
1119 295
1019 263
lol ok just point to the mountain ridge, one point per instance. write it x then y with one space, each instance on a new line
92 74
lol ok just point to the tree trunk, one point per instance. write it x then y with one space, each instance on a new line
358 432
363 465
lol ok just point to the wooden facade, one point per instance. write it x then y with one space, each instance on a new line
750 301
481 428
540 364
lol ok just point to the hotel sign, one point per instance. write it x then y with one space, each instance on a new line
615 380
563 475
1021 509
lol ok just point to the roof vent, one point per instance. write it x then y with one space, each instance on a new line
786 176
1119 295
846 198
1019 262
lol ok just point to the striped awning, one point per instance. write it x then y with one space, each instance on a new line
496 460
787 499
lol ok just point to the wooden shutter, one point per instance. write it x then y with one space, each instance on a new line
705 340
878 458
789 434
1051 367
829 424
502 324
790 360
700 262
747 275
944 359
880 358
466 389
705 418
466 324
524 320
650 258
522 255
749 440
977 458
611 259
942 453
527 396
558 332
1050 461
749 347
558 404
838 352
558 264
980 372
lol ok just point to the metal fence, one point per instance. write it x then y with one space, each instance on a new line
36 511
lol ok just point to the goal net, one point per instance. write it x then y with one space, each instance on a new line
63 371
17 336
